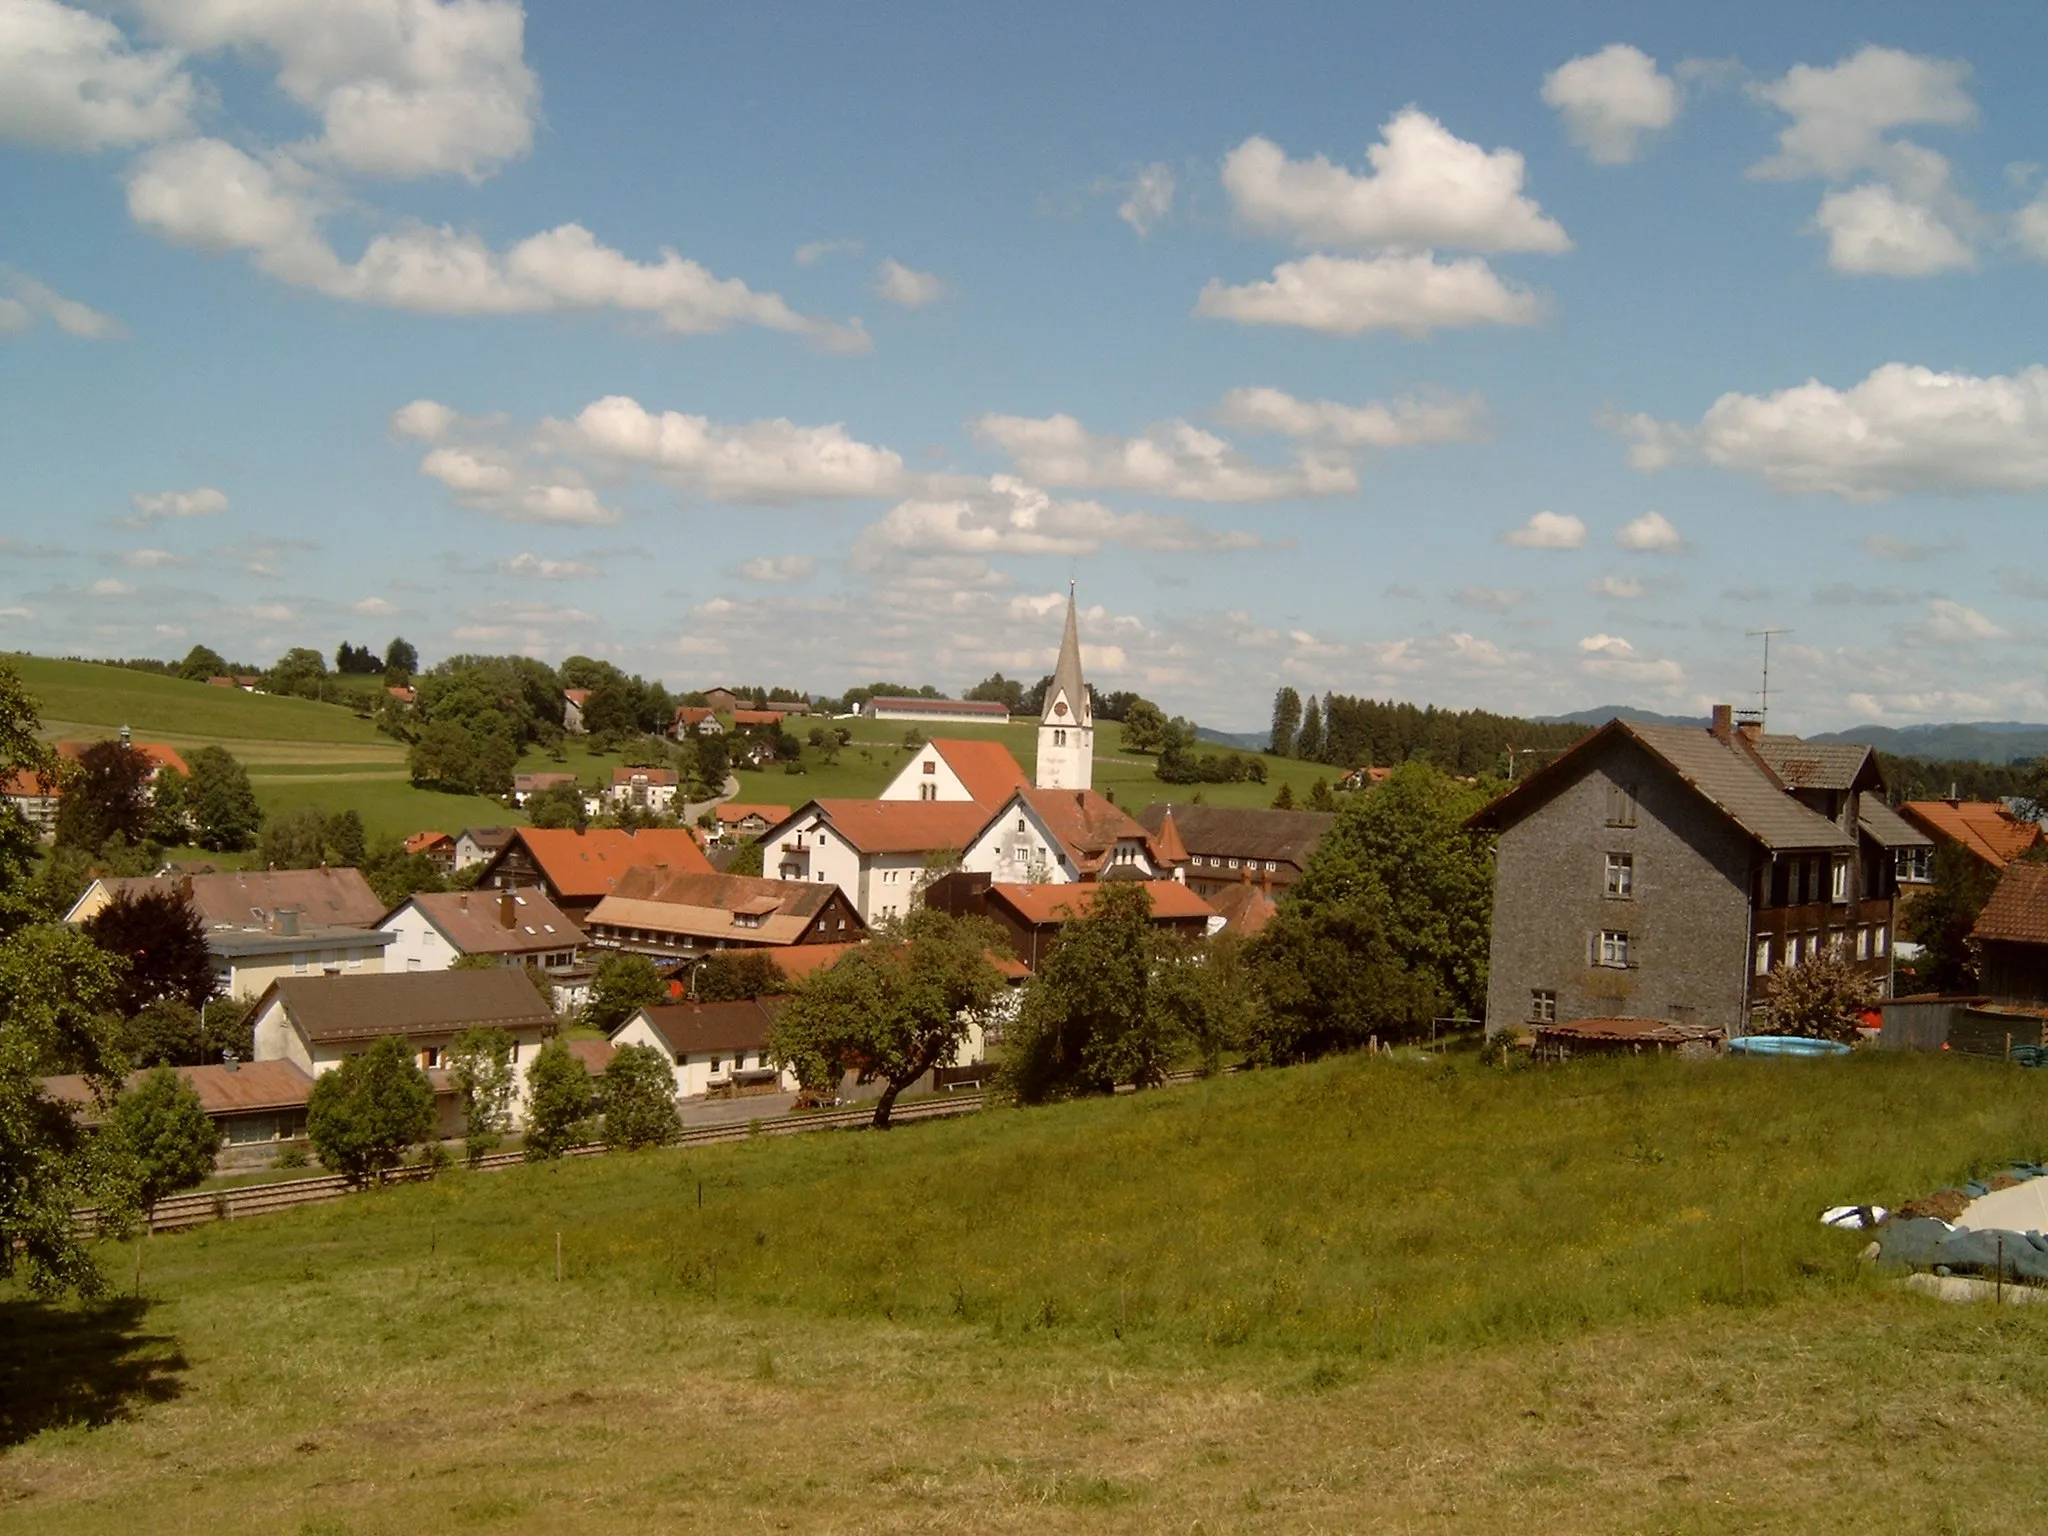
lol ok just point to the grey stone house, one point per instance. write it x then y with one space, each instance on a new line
1669 872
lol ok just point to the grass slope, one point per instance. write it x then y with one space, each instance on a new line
170 709
1358 1294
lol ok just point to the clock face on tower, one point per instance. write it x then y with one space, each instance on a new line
1060 708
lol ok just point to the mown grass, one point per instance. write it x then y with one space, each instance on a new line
168 708
1356 1295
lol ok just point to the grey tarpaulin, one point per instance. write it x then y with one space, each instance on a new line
1921 1242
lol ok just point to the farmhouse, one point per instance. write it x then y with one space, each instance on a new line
526 785
875 851
573 701
1226 843
694 720
740 821
642 789
437 847
479 845
713 1047
317 1022
669 915
937 711
1031 915
1052 836
432 930
263 925
577 870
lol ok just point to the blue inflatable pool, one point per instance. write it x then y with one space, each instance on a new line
1785 1045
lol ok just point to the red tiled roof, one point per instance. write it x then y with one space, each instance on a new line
651 775
733 811
577 696
159 754
1047 903
587 864
420 842
476 922
1988 830
757 717
27 783
246 1088
595 1055
2018 910
1246 908
988 770
943 706
905 826
1167 848
1087 825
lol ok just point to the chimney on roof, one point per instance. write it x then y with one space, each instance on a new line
125 741
184 887
1724 722
1749 730
229 1060
464 903
288 921
508 915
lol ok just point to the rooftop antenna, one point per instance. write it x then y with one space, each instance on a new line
1764 698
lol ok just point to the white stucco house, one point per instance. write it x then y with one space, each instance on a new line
1051 836
713 1047
430 931
642 789
951 770
875 851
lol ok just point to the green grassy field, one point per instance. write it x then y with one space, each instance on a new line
75 693
1357 1295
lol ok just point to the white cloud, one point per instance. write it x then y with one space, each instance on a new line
1174 459
208 194
1427 187
906 285
778 569
15 612
401 87
812 253
1902 429
200 501
26 301
1620 588
488 479
372 606
1909 221
107 586
427 420
1150 198
1489 599
69 80
546 570
1345 296
151 559
1950 623
1611 100
1841 113
1403 423
1011 517
1872 228
755 461
2030 228
1889 546
1604 644
1652 533
1548 530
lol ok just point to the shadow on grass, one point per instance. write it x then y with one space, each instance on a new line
65 1366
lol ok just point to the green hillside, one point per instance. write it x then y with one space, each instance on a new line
1364 1294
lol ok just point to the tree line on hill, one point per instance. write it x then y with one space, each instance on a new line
1349 732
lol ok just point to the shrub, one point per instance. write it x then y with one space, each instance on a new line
638 1095
558 1103
367 1111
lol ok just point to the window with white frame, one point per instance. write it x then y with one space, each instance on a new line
1614 948
1542 1007
1883 935
1621 875
1839 888
1763 956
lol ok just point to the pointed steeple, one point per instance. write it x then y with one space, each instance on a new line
1068 687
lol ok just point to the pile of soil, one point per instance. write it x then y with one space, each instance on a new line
1942 1205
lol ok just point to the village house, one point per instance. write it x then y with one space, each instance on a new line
736 821
402 694
1052 836
1031 915
695 720
573 700
37 796
160 755
526 785
1987 831
577 870
479 845
1670 872
671 915
432 930
721 701
438 848
1227 844
713 1048
2012 937
875 851
317 1022
642 789
263 925
952 770
257 1106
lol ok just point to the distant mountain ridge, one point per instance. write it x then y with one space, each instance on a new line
1976 741
1600 714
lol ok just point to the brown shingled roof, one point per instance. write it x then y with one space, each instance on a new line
1242 831
2017 912
426 1003
692 1029
335 898
709 905
475 922
1804 764
248 1088
1087 825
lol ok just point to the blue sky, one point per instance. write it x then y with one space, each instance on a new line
1523 357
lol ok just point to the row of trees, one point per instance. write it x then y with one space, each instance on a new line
1349 732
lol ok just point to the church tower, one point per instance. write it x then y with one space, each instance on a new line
1066 726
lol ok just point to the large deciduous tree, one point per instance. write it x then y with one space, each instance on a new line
732 975
106 796
163 940
1940 921
637 1094
893 1009
558 1102
623 985
164 1132
221 801
480 1065
296 840
363 1114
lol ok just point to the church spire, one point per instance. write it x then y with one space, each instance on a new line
1068 686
